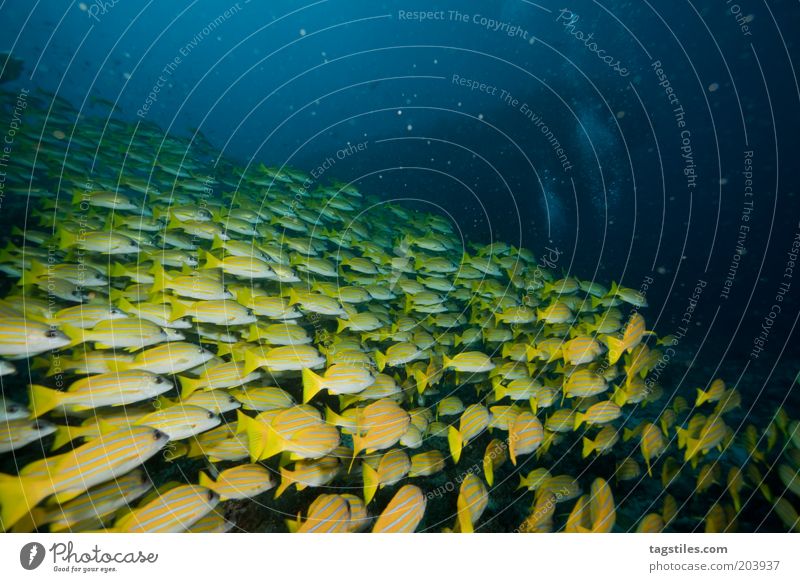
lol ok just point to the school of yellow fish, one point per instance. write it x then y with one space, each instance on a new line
289 335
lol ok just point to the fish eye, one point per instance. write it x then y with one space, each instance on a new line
159 380
14 408
158 435
115 311
210 414
210 495
250 312
201 350
51 333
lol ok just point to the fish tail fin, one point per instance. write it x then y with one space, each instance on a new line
178 308
244 296
588 446
422 381
294 298
189 386
615 348
118 270
691 449
312 383
380 360
252 362
464 516
619 397
272 443
217 243
286 481
211 262
242 422
66 239
358 446
75 334
456 442
43 399
64 435
206 481
488 470
702 397
332 418
579 418
160 279
342 325
500 391
31 276
371 482
293 525
18 497
683 436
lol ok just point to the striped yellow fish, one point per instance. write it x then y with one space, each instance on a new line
181 421
652 444
239 482
18 432
67 476
474 420
425 464
403 513
223 312
326 514
308 473
632 336
469 362
471 503
113 389
131 332
283 358
174 511
392 467
603 441
525 435
21 337
98 503
338 379
598 414
170 358
224 375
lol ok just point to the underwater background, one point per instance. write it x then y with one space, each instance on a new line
650 144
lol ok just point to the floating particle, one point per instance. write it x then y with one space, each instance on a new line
713 87
409 127
58 134
302 32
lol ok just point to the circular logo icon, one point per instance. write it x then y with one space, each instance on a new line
31 555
